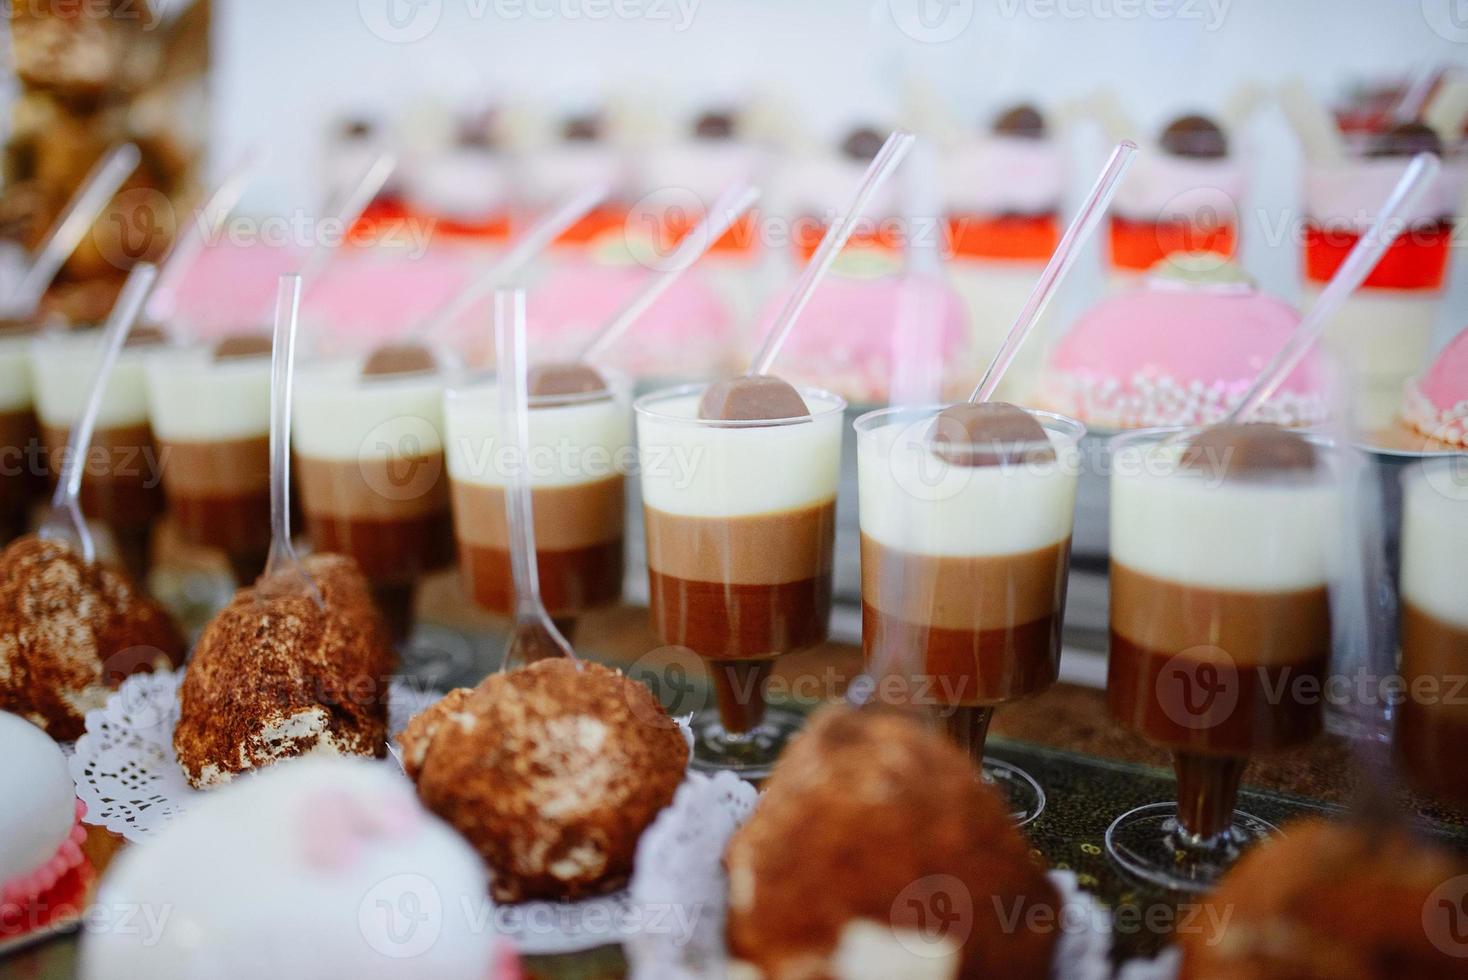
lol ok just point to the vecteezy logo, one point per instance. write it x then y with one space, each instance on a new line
932 21
138 224
400 21
1447 18
676 676
933 916
1199 687
1445 917
401 917
401 458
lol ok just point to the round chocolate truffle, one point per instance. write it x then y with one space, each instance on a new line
399 359
275 676
714 125
862 144
874 842
1195 136
1023 121
989 434
70 631
552 772
1329 899
582 129
752 398
1250 451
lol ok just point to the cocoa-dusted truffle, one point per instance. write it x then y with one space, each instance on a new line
552 772
1327 899
989 434
873 834
276 675
70 630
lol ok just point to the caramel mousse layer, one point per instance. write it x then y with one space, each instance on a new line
1433 725
219 492
986 627
391 515
123 481
733 588
578 544
1214 670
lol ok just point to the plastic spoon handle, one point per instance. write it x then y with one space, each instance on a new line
65 520
198 233
729 208
96 190
535 634
532 243
1367 252
837 235
283 567
1082 226
374 178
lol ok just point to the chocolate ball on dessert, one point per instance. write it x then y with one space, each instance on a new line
1331 899
1023 121
714 125
275 676
243 345
989 434
1406 140
862 144
870 821
564 380
399 359
1194 136
70 631
552 772
583 129
752 398
1250 451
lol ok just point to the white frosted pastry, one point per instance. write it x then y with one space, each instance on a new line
40 833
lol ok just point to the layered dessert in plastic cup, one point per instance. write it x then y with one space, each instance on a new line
1222 554
1433 721
966 518
740 520
209 407
579 453
123 488
1003 190
368 439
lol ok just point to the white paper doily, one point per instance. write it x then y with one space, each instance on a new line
124 766
1164 967
680 869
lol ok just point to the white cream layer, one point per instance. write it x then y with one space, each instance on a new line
1350 193
713 471
341 416
63 367
1004 175
1161 187
569 444
1193 528
15 374
1435 541
912 501
194 398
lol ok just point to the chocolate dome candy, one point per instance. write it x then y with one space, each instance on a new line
989 434
396 359
751 398
1195 136
1250 451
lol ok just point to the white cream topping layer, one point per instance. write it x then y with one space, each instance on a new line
194 398
697 470
15 374
341 416
913 501
63 367
1195 528
1435 540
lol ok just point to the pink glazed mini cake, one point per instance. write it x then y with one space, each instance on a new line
1182 348
878 340
1436 404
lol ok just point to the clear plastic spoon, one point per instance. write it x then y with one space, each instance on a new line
65 521
722 214
362 194
534 636
1421 172
886 161
284 572
75 222
536 240
1082 226
192 239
